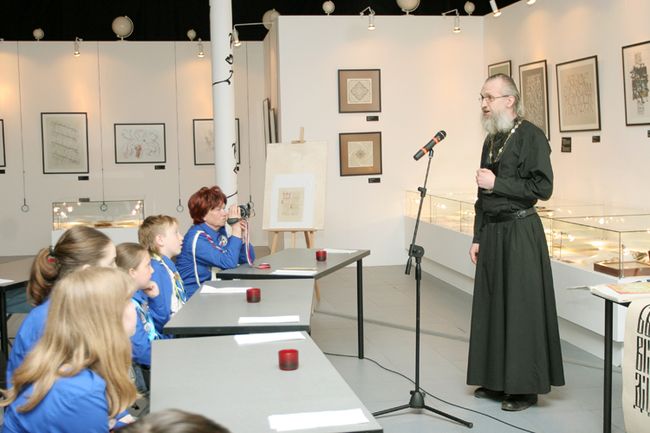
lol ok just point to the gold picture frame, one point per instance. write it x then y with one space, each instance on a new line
360 153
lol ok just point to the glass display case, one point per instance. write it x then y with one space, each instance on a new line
608 239
98 214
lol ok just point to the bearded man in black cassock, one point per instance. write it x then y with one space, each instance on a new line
514 350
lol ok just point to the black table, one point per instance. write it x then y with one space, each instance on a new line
18 272
305 258
218 314
607 367
240 386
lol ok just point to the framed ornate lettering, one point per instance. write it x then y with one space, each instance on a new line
533 87
360 153
577 95
359 90
635 83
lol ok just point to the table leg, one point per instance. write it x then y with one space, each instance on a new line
607 392
360 306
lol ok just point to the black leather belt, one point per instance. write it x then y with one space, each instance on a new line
520 214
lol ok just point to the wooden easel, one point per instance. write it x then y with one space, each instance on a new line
309 233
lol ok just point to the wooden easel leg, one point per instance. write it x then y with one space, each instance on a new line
274 243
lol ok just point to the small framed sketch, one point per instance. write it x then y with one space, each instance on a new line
359 90
203 132
360 153
237 149
635 83
65 142
266 109
533 85
577 95
500 68
139 143
3 161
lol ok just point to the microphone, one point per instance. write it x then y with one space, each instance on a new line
427 147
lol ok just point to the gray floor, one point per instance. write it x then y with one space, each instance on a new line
389 300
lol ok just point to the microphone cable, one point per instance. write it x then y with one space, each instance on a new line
431 395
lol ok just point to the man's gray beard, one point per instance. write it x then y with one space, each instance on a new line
498 122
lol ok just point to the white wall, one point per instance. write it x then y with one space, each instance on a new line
613 171
138 82
430 79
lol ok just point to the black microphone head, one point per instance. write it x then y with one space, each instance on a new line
440 135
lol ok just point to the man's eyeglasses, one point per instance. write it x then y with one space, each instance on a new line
490 98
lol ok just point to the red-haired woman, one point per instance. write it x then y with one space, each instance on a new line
206 243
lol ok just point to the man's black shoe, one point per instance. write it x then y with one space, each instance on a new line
483 392
517 402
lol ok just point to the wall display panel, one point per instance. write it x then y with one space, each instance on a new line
139 143
504 68
533 86
64 142
577 95
360 153
635 83
359 90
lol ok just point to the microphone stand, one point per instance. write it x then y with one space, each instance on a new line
416 251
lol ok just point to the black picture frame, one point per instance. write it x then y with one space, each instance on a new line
533 88
636 58
359 90
504 67
64 142
3 155
578 95
140 143
360 153
203 139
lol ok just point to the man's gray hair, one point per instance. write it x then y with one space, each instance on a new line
511 89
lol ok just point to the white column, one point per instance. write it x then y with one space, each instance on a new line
223 97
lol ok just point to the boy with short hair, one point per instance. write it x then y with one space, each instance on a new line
160 235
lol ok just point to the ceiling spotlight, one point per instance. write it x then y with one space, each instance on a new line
191 34
328 7
200 54
122 27
469 7
38 34
76 51
371 17
456 28
495 9
408 6
530 2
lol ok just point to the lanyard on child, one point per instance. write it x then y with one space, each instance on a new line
177 282
146 320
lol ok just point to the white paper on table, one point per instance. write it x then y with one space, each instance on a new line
269 319
222 290
268 337
336 251
3 281
306 420
293 272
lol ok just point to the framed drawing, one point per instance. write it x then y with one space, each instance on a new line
360 153
203 132
65 142
533 86
237 149
266 108
635 83
139 143
3 161
359 90
500 68
577 95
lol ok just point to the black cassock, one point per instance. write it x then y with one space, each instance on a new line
514 343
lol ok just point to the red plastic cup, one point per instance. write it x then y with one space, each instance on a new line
321 255
288 359
253 294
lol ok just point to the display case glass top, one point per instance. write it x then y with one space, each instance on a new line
98 214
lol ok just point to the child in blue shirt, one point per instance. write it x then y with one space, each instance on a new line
79 246
159 234
135 260
76 378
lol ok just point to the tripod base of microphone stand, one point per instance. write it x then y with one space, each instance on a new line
417 402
